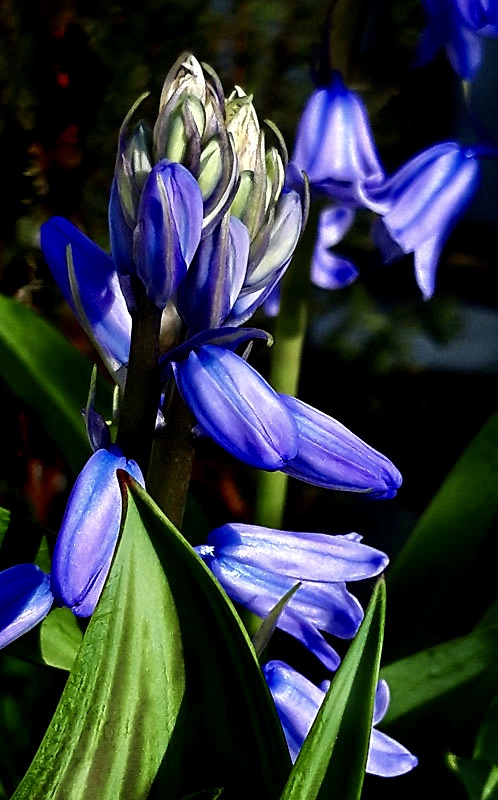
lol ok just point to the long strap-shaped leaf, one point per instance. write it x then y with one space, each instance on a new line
331 764
441 548
166 697
50 375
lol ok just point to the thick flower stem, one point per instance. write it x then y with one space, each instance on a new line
171 462
138 412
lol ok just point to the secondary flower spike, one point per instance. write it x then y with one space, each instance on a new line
257 566
25 600
421 203
89 531
298 701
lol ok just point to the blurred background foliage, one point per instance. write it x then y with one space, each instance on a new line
415 379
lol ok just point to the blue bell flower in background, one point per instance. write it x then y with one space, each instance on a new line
89 532
331 456
458 26
257 566
330 270
298 701
334 144
25 600
421 203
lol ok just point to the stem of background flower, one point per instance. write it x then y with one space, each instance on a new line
171 462
285 364
141 397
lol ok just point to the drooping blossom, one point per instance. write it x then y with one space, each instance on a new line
298 701
420 204
257 566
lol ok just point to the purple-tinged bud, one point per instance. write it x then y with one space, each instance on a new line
236 407
422 202
168 230
257 566
331 456
25 599
298 701
89 532
334 144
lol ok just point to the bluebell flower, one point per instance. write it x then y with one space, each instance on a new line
89 532
421 203
240 411
25 600
458 27
298 701
331 456
257 566
334 144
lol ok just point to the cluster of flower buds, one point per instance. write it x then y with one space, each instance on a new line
199 211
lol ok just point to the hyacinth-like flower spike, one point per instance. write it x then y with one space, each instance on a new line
458 26
334 144
89 531
25 600
298 701
422 202
331 456
257 566
87 278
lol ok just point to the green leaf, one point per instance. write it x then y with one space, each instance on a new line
261 638
332 761
486 746
479 777
419 680
60 638
441 548
50 375
165 677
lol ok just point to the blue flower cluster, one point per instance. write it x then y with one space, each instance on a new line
204 220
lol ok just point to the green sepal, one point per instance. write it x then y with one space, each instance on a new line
331 764
479 777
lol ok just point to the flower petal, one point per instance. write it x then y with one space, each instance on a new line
387 757
236 407
106 317
89 531
331 456
25 599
